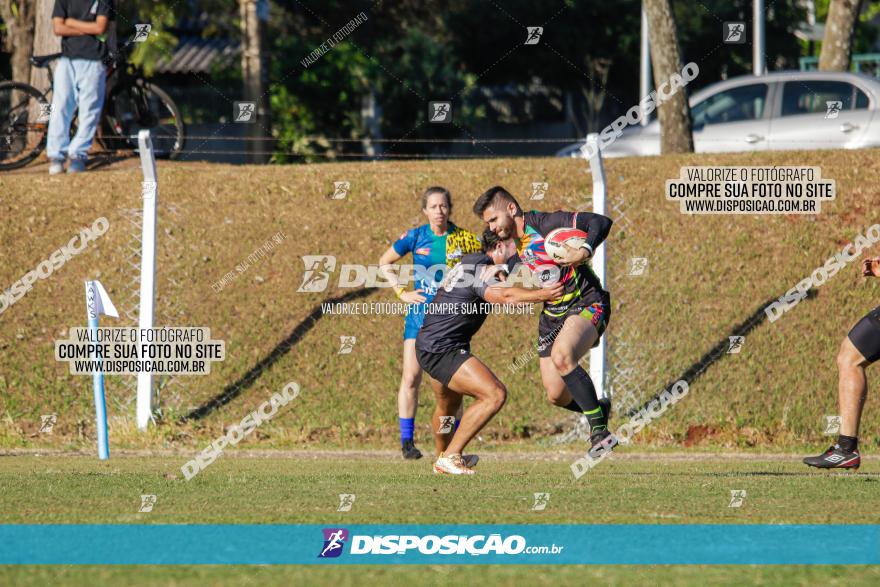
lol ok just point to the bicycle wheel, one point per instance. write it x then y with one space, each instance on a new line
144 106
24 122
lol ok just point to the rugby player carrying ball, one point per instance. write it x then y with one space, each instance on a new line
570 325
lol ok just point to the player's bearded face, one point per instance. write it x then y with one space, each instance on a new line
499 221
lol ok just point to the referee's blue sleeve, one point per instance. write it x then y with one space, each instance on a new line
404 244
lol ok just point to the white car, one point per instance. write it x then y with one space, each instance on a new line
776 112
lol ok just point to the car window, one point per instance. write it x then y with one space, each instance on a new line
733 105
820 97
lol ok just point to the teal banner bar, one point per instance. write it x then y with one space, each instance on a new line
183 544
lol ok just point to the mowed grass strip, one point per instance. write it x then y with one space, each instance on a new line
299 491
705 275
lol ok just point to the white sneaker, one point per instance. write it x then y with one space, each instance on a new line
451 465
76 166
56 167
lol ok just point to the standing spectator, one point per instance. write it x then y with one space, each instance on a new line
79 80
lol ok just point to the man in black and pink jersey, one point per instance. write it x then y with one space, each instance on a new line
572 324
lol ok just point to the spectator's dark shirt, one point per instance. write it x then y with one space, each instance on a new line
85 46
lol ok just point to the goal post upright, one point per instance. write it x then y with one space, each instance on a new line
598 353
150 192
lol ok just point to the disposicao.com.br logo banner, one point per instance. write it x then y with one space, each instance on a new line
431 543
519 544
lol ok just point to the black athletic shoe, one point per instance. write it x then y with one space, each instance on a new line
601 442
835 458
410 451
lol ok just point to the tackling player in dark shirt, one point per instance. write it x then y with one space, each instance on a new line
571 325
443 348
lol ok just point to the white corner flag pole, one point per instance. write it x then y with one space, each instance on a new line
597 353
97 303
148 268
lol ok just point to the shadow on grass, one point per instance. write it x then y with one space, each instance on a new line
806 473
108 158
233 390
718 351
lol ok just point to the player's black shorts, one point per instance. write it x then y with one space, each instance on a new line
598 312
865 335
443 365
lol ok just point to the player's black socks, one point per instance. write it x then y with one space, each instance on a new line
598 420
581 388
847 443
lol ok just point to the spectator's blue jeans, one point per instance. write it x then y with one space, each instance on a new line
77 83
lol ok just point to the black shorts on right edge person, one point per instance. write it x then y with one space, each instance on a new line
596 311
865 335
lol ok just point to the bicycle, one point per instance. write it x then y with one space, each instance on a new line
131 104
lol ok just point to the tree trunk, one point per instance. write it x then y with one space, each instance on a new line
19 35
45 42
371 115
674 113
255 76
839 28
594 89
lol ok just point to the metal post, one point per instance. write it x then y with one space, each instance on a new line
150 194
92 314
758 37
644 66
597 353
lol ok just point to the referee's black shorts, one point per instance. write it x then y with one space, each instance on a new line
443 365
865 335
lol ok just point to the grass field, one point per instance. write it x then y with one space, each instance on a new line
749 415
745 424
613 576
303 488
492 575
706 275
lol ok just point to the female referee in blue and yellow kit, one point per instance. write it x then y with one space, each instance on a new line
434 245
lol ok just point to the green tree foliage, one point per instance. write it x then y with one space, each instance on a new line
161 15
402 53
865 36
700 29
322 101
410 52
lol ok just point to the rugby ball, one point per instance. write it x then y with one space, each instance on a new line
554 243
